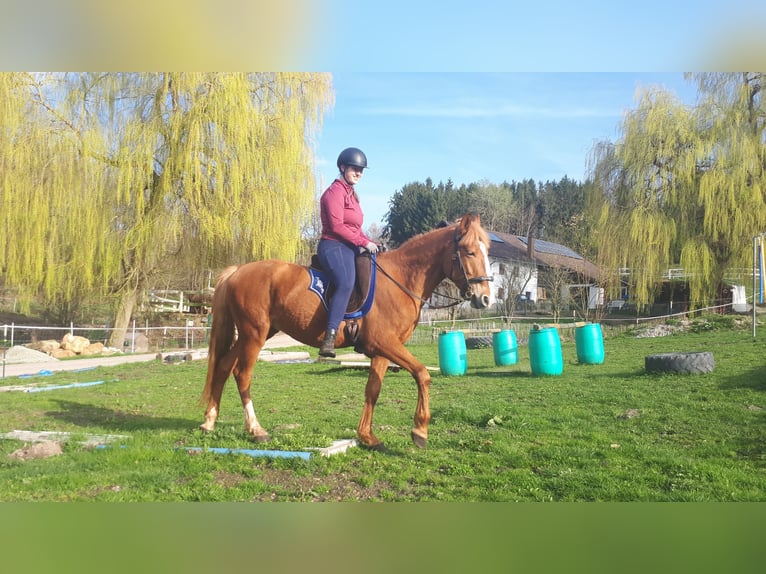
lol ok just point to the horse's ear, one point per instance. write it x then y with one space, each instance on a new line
442 223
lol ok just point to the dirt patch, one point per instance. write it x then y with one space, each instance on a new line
43 449
330 488
228 479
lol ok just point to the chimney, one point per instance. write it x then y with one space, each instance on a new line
530 246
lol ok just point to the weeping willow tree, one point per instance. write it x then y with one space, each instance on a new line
683 186
732 180
646 177
53 225
206 168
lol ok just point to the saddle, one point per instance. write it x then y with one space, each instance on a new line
364 287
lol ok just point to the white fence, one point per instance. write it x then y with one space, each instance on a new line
193 334
190 335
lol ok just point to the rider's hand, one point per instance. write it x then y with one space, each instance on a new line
371 247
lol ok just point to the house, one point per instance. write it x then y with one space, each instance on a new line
534 270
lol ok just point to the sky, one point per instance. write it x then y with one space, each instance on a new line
476 127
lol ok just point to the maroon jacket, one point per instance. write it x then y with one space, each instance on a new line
341 214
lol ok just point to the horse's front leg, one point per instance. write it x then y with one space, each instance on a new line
243 375
378 367
422 410
402 357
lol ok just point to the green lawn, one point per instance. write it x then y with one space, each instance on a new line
608 432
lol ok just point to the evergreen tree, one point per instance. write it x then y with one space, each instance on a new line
420 207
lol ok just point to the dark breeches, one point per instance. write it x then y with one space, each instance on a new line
339 261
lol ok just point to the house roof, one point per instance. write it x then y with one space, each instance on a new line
515 248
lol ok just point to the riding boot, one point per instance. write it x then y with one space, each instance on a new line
327 348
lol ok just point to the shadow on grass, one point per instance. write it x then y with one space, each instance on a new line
754 379
87 415
455 415
494 374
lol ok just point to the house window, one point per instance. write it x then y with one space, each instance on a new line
500 294
501 269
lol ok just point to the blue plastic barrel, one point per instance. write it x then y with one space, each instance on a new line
452 353
590 344
545 352
504 348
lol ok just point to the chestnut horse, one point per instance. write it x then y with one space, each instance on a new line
260 298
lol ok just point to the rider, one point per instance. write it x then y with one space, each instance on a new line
342 239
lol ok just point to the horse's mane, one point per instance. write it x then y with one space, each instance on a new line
416 241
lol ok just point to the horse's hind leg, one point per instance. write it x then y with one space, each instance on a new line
243 371
221 371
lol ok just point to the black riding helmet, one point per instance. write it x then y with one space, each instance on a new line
352 156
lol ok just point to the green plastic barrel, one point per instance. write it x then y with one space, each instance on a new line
545 352
452 353
590 344
504 348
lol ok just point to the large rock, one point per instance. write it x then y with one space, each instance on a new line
74 343
93 349
140 345
47 346
63 353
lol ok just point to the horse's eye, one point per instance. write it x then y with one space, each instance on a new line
471 254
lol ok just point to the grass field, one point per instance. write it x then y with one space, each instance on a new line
608 432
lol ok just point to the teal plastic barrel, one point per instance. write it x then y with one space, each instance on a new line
545 352
590 344
504 348
452 353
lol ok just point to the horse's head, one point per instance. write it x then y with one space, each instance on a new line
470 269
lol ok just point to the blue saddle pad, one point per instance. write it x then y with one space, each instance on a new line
320 283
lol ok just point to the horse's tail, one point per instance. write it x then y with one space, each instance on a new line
222 330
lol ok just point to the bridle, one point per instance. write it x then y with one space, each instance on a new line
467 293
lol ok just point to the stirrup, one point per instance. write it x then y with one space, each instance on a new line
327 354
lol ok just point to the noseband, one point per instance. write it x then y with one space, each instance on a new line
468 293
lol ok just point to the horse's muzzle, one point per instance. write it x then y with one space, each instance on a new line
480 301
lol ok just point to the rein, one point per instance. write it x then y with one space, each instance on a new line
418 297
456 301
